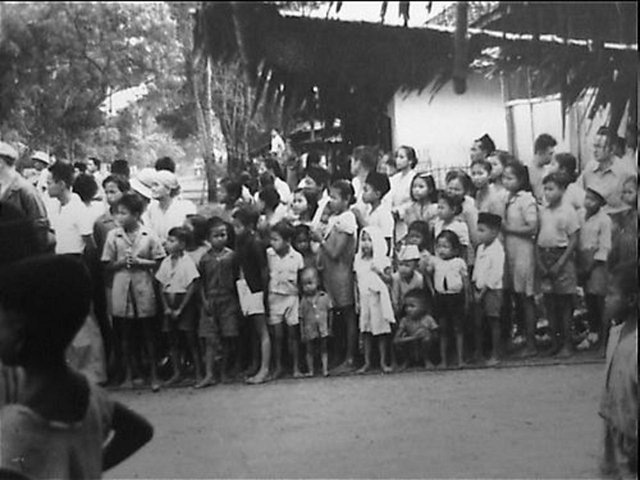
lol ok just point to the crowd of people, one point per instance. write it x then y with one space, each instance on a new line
291 263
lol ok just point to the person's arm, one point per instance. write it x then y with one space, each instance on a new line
335 248
131 432
573 241
191 291
89 245
530 226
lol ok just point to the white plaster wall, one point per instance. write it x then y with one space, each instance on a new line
442 131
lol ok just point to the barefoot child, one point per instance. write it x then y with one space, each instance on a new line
56 423
315 314
178 278
619 401
417 332
556 272
284 267
407 277
449 218
373 273
487 283
132 251
376 186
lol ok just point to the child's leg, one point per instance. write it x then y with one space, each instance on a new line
324 352
595 309
529 310
278 333
349 317
550 307
564 304
309 353
494 324
425 351
148 332
209 361
260 324
127 360
194 351
174 353
478 332
444 347
367 353
293 332
460 348
392 350
383 341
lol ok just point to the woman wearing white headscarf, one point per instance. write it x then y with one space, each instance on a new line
166 210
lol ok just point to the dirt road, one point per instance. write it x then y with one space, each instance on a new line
507 423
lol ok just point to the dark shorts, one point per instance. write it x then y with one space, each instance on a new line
186 322
224 319
566 282
450 312
492 303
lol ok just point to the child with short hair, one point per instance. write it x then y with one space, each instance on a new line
520 226
417 331
449 211
285 264
594 246
221 319
178 278
197 244
373 272
61 425
487 283
376 186
619 400
407 277
451 283
555 249
315 318
302 244
132 251
567 164
252 284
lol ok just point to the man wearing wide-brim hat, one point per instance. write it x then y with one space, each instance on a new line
17 191
41 162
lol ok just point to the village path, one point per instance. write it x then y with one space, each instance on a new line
535 422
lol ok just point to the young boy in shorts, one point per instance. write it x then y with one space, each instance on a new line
487 283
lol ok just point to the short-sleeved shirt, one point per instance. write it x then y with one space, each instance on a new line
219 272
493 200
382 219
557 224
400 287
609 181
161 221
315 308
457 226
415 211
488 270
521 209
133 292
595 235
70 223
176 275
283 271
448 275
40 448
422 328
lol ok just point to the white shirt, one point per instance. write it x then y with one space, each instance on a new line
161 221
400 192
489 266
448 275
70 223
283 190
176 276
382 219
456 225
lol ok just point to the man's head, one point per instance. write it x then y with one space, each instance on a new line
93 165
544 148
40 160
60 179
8 156
603 145
376 186
165 163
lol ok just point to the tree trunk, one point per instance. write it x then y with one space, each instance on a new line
205 138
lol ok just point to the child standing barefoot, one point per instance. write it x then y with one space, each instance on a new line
132 252
284 266
221 317
178 277
557 242
373 272
520 227
57 422
619 402
315 312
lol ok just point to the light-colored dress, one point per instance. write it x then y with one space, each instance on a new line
520 265
399 197
376 309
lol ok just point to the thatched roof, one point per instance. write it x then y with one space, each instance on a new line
352 63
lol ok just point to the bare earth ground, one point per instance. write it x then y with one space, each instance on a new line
525 422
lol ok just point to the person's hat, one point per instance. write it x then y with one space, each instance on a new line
598 193
41 157
167 178
490 219
8 151
409 252
139 187
147 176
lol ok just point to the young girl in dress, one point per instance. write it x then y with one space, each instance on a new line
498 160
424 200
449 218
460 186
373 274
489 198
303 208
55 423
337 251
452 287
520 228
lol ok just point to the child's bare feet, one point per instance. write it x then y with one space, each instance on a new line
528 352
127 383
297 374
155 385
277 373
401 367
207 381
387 369
365 368
428 365
309 374
493 361
175 379
565 352
260 377
325 372
345 367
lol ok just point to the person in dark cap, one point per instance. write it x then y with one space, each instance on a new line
482 148
487 284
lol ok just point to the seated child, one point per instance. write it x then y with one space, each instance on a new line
178 277
61 426
315 316
619 401
487 283
417 332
